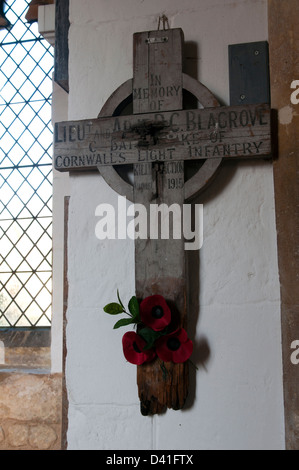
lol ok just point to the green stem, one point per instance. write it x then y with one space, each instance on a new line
127 313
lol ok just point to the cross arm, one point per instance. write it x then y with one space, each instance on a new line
226 132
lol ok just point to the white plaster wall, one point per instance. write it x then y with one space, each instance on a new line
236 397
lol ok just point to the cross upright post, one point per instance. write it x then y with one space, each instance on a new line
160 264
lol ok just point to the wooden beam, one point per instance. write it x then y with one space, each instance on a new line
160 264
62 24
226 132
284 69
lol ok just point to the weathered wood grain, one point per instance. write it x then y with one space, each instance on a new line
284 67
158 81
224 132
62 25
159 263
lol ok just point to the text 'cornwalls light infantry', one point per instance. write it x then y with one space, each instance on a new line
158 139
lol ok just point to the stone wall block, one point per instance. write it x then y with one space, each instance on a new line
42 437
18 435
30 411
18 392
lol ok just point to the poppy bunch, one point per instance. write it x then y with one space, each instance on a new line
154 335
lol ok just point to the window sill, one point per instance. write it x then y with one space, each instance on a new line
25 349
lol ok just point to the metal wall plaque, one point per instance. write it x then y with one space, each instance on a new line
249 78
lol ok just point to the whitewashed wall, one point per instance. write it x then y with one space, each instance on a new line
236 397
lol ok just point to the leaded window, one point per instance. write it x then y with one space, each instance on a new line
26 66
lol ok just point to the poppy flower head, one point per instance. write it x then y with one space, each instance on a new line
155 313
176 347
133 346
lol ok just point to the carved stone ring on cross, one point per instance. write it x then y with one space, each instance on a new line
202 177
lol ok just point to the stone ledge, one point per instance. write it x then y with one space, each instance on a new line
23 370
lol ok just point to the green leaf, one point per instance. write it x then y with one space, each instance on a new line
134 307
123 322
150 337
113 309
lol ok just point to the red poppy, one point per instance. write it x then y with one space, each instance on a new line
176 347
133 346
155 313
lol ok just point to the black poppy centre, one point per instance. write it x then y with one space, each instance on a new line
157 312
173 344
135 346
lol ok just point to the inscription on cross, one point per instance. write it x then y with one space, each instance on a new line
157 139
229 132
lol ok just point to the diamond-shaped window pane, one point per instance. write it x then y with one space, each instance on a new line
26 135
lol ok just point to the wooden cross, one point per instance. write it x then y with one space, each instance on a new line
157 139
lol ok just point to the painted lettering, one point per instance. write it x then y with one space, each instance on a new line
222 120
224 150
261 116
66 162
169 91
175 183
60 133
232 119
156 105
257 146
252 117
244 118
155 92
116 126
72 134
91 148
247 148
217 136
58 159
171 124
142 169
173 168
190 119
156 80
236 148
216 152
159 117
74 160
177 89
89 160
137 94
145 93
122 146
198 152
155 155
